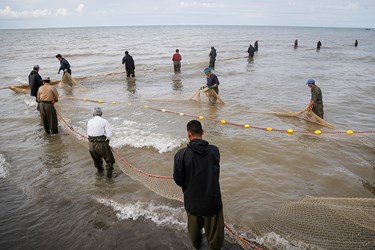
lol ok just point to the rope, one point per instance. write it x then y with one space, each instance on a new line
232 231
269 129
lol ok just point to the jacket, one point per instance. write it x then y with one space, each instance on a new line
129 62
197 171
35 82
213 53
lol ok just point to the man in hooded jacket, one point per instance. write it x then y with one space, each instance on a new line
35 81
196 171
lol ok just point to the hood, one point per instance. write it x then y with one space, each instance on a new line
199 146
33 72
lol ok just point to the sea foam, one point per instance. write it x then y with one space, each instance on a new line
160 214
140 135
3 168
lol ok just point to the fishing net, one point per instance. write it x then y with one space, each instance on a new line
307 115
329 223
67 80
212 96
193 96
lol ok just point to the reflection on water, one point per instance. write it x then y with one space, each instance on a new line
177 82
131 85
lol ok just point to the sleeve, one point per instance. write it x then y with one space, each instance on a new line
38 95
178 169
39 81
107 130
216 80
314 96
55 94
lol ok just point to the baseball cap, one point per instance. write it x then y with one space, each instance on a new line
310 81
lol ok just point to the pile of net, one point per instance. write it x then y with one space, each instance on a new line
329 223
67 80
307 115
212 96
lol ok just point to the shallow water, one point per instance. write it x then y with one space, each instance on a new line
50 194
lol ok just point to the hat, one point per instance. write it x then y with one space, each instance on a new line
36 67
206 70
97 111
126 52
46 78
310 81
212 47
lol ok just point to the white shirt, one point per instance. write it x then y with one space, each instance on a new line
98 126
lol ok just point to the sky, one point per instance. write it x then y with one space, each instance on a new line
20 14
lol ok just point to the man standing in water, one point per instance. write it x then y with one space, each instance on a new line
129 64
316 102
251 51
318 45
356 43
177 61
296 43
197 171
99 133
212 83
46 98
35 81
64 65
212 56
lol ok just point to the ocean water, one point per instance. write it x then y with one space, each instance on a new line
50 194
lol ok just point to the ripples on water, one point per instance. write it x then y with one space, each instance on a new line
51 196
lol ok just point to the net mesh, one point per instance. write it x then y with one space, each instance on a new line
330 223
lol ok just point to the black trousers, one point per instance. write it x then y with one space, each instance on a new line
130 73
49 117
100 150
213 227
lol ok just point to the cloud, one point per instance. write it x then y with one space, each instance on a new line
184 4
80 8
8 13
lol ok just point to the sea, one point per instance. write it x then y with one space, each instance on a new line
50 194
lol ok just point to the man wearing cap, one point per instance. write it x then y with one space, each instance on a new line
99 133
35 81
64 65
129 64
177 61
46 98
212 56
316 102
212 83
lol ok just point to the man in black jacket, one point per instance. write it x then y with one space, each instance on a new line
212 56
196 171
35 81
129 64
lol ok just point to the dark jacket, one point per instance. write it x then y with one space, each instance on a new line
35 81
196 171
64 65
251 50
213 53
129 62
212 80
